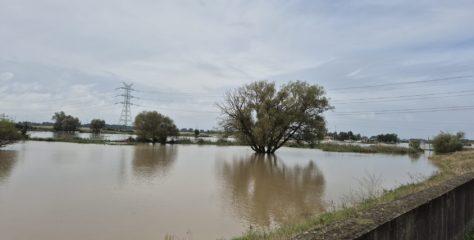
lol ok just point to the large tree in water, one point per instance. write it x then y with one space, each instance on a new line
266 118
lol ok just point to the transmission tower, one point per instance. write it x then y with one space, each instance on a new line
126 115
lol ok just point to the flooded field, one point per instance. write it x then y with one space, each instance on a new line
86 191
102 136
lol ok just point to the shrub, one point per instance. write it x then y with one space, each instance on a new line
8 133
414 146
446 142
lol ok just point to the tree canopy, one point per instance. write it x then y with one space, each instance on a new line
67 123
447 142
342 136
97 125
154 127
387 138
8 133
266 118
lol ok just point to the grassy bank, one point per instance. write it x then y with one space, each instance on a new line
450 165
376 148
331 147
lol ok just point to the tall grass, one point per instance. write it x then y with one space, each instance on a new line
332 147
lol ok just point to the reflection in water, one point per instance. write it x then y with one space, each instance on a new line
153 160
414 156
8 160
265 192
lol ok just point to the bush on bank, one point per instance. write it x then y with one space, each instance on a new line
447 142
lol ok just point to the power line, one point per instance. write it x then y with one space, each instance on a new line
409 110
403 83
401 99
437 94
179 109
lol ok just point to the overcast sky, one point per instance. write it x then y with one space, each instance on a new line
388 66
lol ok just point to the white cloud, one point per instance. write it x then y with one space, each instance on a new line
6 76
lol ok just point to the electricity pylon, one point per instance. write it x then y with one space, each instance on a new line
126 115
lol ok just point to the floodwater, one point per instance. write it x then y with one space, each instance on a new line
102 136
85 191
107 136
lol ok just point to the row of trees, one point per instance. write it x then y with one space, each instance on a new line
261 116
68 123
149 126
343 136
386 138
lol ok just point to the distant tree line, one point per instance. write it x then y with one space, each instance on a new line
192 130
68 123
386 138
382 138
343 136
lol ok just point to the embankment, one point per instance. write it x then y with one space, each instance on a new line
444 211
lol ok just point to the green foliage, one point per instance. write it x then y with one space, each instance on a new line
331 147
23 127
266 118
66 123
97 125
386 138
8 133
470 235
196 133
342 136
415 145
446 142
154 127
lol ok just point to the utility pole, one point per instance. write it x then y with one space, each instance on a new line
126 115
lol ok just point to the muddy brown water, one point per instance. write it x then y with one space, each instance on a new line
86 191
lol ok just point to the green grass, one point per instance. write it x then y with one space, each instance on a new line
470 235
331 147
377 148
450 165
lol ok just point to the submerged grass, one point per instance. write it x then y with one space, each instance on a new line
450 165
332 147
377 148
